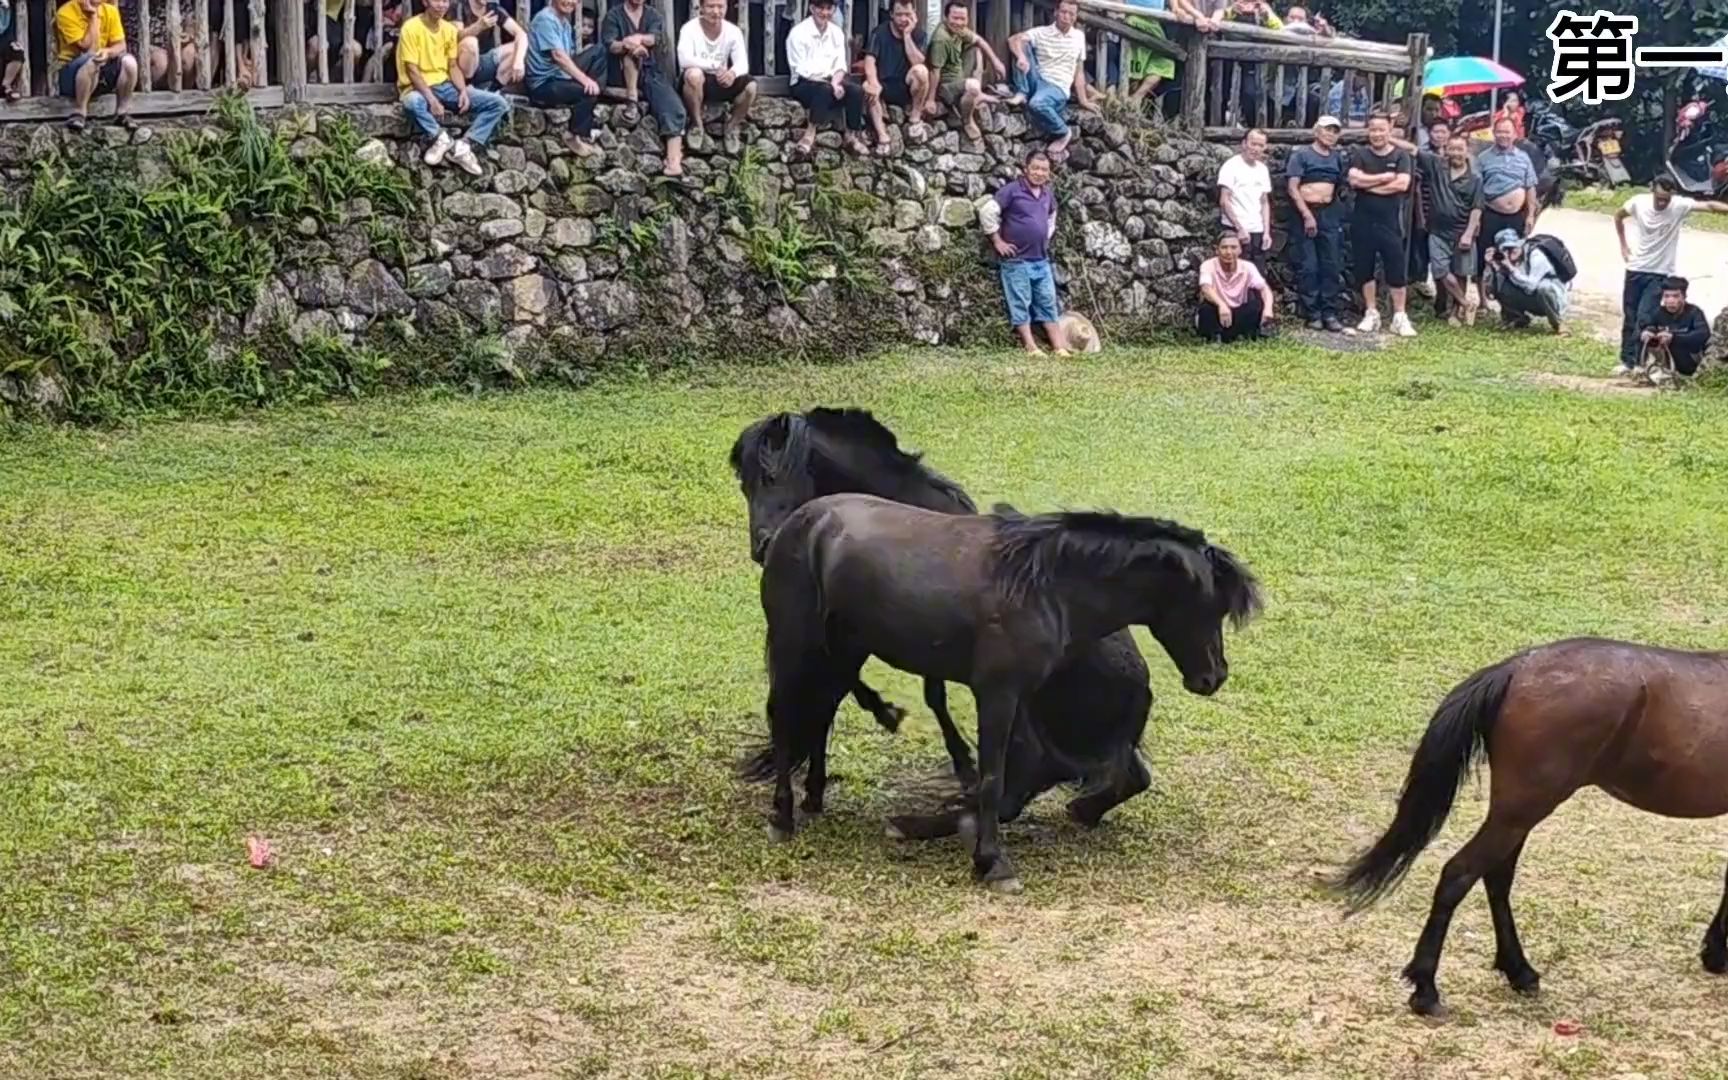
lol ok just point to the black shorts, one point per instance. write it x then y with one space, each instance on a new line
1492 222
712 91
897 92
1382 240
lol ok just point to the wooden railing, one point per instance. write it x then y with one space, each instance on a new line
1229 79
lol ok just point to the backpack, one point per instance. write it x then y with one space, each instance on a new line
1555 248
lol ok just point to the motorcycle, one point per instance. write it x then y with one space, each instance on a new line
1596 154
1697 159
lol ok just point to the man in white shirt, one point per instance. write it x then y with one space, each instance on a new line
716 69
1245 197
816 56
1659 214
1049 61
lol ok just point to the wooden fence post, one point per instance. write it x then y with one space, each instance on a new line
1194 83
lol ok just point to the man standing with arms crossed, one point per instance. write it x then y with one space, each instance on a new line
1380 173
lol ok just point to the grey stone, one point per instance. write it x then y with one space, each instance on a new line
954 213
374 152
512 157
1134 228
623 182
571 267
907 215
350 321
371 290
307 226
321 286
502 229
604 305
1110 164
730 250
588 199
316 323
512 182
675 244
506 261
275 305
1170 230
534 224
480 206
477 300
529 298
883 238
430 281
572 233
931 238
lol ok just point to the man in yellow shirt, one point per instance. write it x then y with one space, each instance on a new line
91 47
431 81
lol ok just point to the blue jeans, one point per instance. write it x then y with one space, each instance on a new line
1029 288
1044 101
487 109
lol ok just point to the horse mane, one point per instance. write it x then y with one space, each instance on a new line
780 444
1032 552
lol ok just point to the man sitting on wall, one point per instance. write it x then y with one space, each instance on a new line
1674 333
956 56
91 47
430 81
894 71
1236 304
562 76
716 66
641 58
1049 61
488 63
816 56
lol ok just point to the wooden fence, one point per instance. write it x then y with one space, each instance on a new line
284 51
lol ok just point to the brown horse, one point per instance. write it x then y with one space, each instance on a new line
1649 726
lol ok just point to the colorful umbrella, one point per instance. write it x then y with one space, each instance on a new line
1468 75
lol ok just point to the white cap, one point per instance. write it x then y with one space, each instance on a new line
1328 121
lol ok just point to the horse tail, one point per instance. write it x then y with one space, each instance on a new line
1455 740
757 767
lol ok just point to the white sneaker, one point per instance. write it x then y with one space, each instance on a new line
1621 371
1370 323
440 146
463 154
1401 325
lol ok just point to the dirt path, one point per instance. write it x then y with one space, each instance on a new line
1596 292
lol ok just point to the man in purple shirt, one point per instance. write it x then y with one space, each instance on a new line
1020 222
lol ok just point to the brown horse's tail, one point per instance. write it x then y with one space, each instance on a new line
1455 740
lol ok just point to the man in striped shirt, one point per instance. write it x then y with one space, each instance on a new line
1049 61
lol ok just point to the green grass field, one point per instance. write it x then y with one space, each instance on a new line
478 669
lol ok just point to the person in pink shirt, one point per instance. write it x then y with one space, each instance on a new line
1235 302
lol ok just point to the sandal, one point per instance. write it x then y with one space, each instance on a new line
127 121
76 122
883 149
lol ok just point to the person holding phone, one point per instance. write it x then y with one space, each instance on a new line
489 63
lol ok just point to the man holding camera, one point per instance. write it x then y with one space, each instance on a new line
431 82
488 63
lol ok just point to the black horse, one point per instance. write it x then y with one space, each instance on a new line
785 460
995 602
1085 723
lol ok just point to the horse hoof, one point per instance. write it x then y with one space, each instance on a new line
1008 886
1526 982
1083 819
1715 959
813 809
893 832
779 835
1426 1005
891 717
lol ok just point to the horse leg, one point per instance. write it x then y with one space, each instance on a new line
1715 951
998 711
781 823
1493 843
822 695
1128 778
888 715
949 822
936 696
1509 957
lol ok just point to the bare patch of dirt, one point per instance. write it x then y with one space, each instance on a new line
1587 385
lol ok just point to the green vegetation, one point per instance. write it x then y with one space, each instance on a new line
118 286
478 668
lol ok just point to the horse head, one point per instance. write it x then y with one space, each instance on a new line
772 459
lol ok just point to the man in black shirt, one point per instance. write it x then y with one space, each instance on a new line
894 71
1380 174
1315 179
1674 327
1451 213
